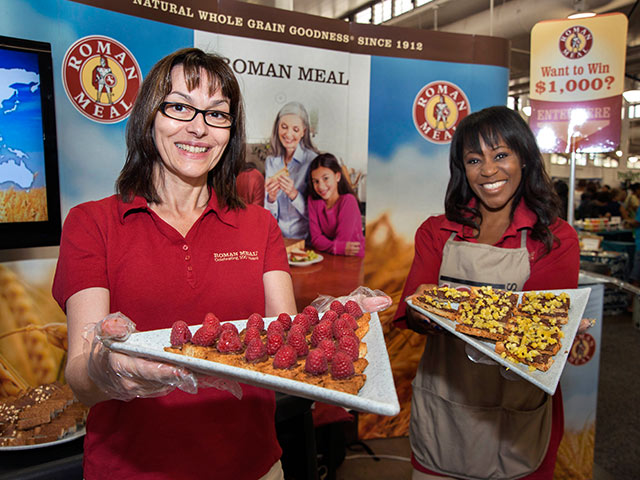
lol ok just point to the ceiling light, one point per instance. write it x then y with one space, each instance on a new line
577 15
632 96
580 8
619 153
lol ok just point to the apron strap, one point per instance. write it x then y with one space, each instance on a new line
523 238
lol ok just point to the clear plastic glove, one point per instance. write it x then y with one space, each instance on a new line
368 300
478 357
124 377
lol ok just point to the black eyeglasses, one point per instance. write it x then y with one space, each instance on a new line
186 113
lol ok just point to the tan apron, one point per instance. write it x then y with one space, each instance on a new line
467 420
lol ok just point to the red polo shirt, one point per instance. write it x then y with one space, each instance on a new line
156 276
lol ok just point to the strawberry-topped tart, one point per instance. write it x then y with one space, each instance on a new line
324 350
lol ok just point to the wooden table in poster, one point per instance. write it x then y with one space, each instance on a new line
335 275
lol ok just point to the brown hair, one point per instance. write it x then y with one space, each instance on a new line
136 176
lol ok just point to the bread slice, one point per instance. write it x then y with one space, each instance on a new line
535 360
546 305
485 316
442 301
283 171
495 296
488 333
294 244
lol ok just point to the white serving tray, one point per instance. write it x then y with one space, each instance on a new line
378 395
547 381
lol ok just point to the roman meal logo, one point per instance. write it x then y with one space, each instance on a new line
438 109
235 256
583 349
101 78
575 42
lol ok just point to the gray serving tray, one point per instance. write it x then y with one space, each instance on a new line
378 395
547 381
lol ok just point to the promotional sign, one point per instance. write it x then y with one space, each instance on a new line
577 79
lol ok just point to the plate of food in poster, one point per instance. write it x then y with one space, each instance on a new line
304 257
529 333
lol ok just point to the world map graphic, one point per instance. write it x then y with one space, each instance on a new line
21 143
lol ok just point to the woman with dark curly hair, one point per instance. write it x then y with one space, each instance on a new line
470 418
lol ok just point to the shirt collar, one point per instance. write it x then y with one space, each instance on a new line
523 217
298 155
139 204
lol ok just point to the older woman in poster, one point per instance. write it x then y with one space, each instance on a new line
286 170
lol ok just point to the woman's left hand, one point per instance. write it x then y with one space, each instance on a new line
288 187
585 324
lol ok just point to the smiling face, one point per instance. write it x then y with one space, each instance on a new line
189 150
325 183
290 130
494 175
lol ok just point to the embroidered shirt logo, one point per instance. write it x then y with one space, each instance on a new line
101 78
235 256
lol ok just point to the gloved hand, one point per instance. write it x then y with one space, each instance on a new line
477 356
124 377
368 300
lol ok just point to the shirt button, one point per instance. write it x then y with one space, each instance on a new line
189 268
185 247
187 258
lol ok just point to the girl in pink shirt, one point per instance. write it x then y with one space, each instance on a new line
335 221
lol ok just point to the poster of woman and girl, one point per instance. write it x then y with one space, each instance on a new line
306 190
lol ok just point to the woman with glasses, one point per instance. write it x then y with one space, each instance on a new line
157 252
286 170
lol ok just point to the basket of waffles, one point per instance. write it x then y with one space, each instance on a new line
324 350
525 330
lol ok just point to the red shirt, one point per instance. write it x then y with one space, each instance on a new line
250 185
435 231
156 276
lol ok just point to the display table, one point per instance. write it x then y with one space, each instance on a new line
335 275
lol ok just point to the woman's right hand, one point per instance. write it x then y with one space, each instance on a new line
124 377
418 322
272 186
